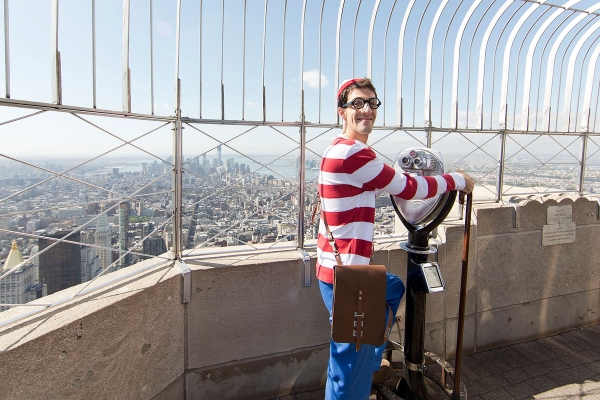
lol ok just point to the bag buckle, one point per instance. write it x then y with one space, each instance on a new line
354 334
357 315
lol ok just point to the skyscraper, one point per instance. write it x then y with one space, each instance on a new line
219 155
21 286
102 238
123 225
154 246
60 266
90 262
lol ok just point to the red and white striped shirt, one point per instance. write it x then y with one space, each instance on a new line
350 174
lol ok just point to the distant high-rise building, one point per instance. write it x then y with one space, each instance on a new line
154 246
102 238
21 286
123 226
68 213
144 168
115 171
32 226
90 262
219 155
60 266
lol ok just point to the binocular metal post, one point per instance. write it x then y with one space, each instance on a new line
414 337
421 217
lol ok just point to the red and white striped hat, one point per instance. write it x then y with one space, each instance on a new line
344 85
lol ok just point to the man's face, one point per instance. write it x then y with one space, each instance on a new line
358 123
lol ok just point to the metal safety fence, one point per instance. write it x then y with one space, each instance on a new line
168 130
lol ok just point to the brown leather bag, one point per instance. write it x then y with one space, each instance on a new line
359 305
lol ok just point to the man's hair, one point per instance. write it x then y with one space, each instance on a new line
359 84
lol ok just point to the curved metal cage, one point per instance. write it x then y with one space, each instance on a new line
226 107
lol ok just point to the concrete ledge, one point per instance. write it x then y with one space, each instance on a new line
537 319
105 345
262 378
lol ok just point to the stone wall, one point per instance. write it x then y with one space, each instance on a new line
253 331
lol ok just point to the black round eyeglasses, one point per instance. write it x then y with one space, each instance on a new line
359 103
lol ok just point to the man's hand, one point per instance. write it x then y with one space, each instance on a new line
469 181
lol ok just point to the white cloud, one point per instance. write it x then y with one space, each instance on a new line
251 104
311 78
164 29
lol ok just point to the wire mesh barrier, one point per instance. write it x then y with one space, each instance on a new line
184 128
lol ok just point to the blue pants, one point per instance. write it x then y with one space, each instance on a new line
350 372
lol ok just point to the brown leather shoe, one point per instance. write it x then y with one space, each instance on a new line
384 372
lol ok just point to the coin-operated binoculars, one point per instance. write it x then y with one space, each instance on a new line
420 217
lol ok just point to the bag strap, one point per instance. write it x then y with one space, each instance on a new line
330 237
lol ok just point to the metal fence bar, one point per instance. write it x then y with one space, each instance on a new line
200 66
222 58
370 39
387 28
414 102
482 57
443 75
354 36
560 78
502 158
320 57
571 75
506 65
456 65
56 79
529 61
303 19
283 62
152 61
399 94
591 68
244 61
94 54
302 177
337 49
428 61
589 84
539 74
6 50
516 80
126 77
550 70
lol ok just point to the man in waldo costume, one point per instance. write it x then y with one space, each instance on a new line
350 179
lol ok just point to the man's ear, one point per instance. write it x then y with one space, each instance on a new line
341 113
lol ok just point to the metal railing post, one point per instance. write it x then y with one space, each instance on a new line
428 125
177 181
56 70
583 163
301 176
500 187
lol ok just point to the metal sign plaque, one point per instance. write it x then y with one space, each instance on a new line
558 234
559 214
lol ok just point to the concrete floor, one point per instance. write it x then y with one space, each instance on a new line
564 366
